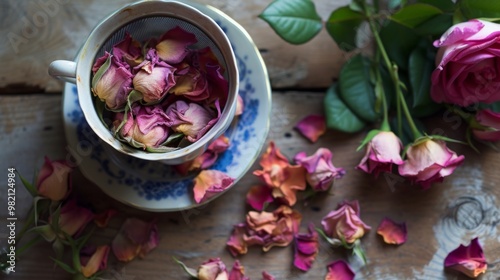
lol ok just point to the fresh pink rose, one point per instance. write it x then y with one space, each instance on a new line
381 153
429 161
345 223
469 259
146 127
467 64
112 81
486 126
320 170
53 181
192 119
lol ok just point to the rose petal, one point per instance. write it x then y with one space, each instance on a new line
238 272
259 196
172 47
306 249
73 219
94 262
312 127
135 238
267 276
392 232
210 183
339 270
213 269
467 259
236 243
102 219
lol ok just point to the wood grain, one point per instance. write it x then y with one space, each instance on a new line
36 34
438 219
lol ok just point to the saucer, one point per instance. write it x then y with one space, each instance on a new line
153 186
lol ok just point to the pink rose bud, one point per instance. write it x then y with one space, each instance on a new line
467 60
73 219
469 259
129 51
320 170
53 181
173 45
192 119
486 126
381 153
429 161
345 223
213 269
154 79
112 81
93 260
190 83
146 126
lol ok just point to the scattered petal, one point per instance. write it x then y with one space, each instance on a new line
267 276
236 243
73 219
306 249
93 260
392 232
339 270
238 272
102 219
259 196
320 170
312 127
210 183
469 259
135 238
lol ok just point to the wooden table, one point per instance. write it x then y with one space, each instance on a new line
439 219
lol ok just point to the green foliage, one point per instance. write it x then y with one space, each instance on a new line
338 115
295 21
342 25
416 14
356 89
479 8
399 40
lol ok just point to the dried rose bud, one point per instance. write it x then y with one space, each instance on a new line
345 223
192 119
53 181
320 170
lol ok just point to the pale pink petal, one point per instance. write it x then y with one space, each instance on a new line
392 232
210 183
213 269
459 32
259 196
312 127
236 243
172 47
469 259
95 261
339 270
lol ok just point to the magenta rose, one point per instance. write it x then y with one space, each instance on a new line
486 126
467 64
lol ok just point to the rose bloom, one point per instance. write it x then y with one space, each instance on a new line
381 153
429 161
345 223
486 126
53 181
467 64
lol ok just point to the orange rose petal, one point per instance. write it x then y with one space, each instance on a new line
392 232
210 183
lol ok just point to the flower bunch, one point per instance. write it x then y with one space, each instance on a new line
162 94
59 219
442 58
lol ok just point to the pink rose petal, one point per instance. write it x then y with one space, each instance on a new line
312 127
94 261
339 270
306 249
259 196
467 259
210 183
267 276
236 243
392 232
238 272
172 47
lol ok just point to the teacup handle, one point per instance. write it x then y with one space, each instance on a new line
63 70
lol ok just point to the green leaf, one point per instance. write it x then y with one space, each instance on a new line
399 41
29 187
420 70
342 25
356 89
443 5
435 26
332 241
64 266
458 16
357 5
102 70
479 8
393 4
415 14
191 271
338 115
295 21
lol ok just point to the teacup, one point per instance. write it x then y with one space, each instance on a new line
147 19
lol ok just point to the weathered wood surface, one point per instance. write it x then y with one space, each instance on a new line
464 206
35 34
